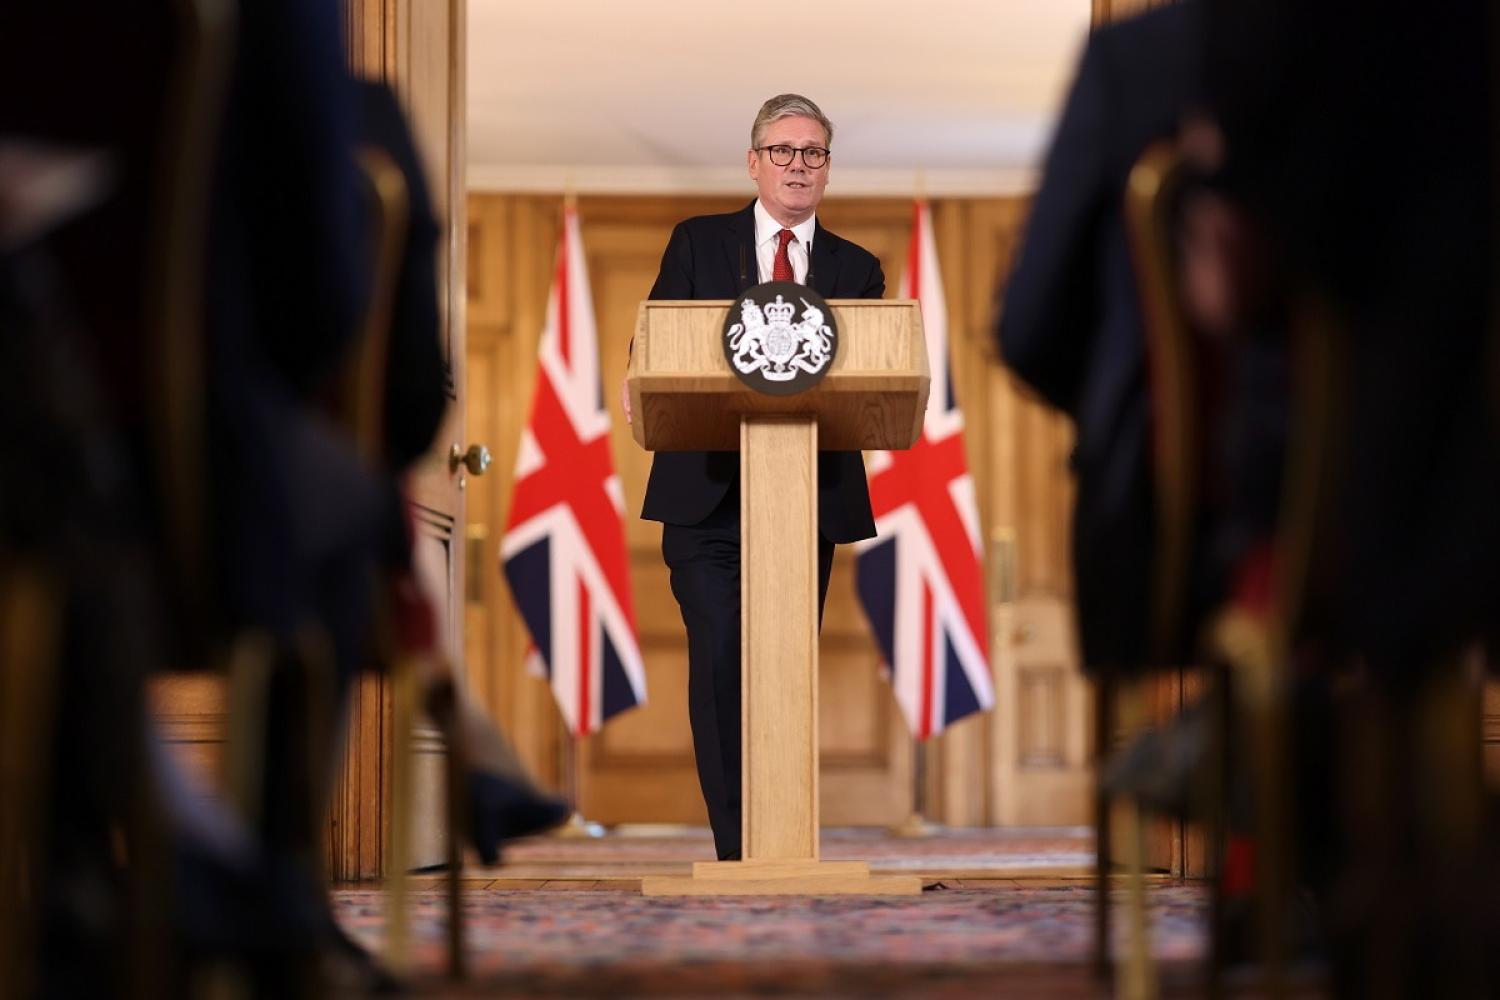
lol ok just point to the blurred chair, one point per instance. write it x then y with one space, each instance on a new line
263 674
176 369
1256 633
1248 641
129 259
403 629
1176 457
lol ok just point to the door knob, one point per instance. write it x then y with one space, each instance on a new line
476 459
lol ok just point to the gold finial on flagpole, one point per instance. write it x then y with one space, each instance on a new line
920 184
570 193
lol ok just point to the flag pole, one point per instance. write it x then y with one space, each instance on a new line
916 824
576 828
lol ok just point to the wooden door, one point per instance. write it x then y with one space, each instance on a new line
1042 766
419 48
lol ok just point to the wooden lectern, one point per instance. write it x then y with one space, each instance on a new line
684 397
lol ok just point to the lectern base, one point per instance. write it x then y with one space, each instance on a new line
781 878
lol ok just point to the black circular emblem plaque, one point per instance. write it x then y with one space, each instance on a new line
780 338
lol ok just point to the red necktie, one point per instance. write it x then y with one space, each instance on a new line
781 270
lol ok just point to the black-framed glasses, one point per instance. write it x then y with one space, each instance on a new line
813 157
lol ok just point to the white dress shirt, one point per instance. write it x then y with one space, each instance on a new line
766 232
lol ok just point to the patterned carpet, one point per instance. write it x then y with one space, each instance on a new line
620 943
587 931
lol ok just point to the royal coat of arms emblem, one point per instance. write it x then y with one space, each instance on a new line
773 348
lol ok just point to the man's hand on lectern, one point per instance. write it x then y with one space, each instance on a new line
625 398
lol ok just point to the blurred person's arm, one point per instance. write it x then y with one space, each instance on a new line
1048 314
416 394
305 213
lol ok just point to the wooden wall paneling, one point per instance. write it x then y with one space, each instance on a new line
489 278
356 833
419 48
1038 739
880 225
1115 10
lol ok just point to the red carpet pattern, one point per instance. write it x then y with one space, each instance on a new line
620 942
564 917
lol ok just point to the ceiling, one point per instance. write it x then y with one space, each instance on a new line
643 96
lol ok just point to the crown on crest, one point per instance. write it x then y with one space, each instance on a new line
779 311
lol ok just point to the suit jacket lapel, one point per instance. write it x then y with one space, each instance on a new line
825 263
739 250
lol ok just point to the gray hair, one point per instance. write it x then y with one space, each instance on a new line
788 106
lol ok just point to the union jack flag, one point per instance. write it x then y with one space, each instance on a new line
920 579
564 545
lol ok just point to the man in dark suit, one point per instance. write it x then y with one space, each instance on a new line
696 494
1071 323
